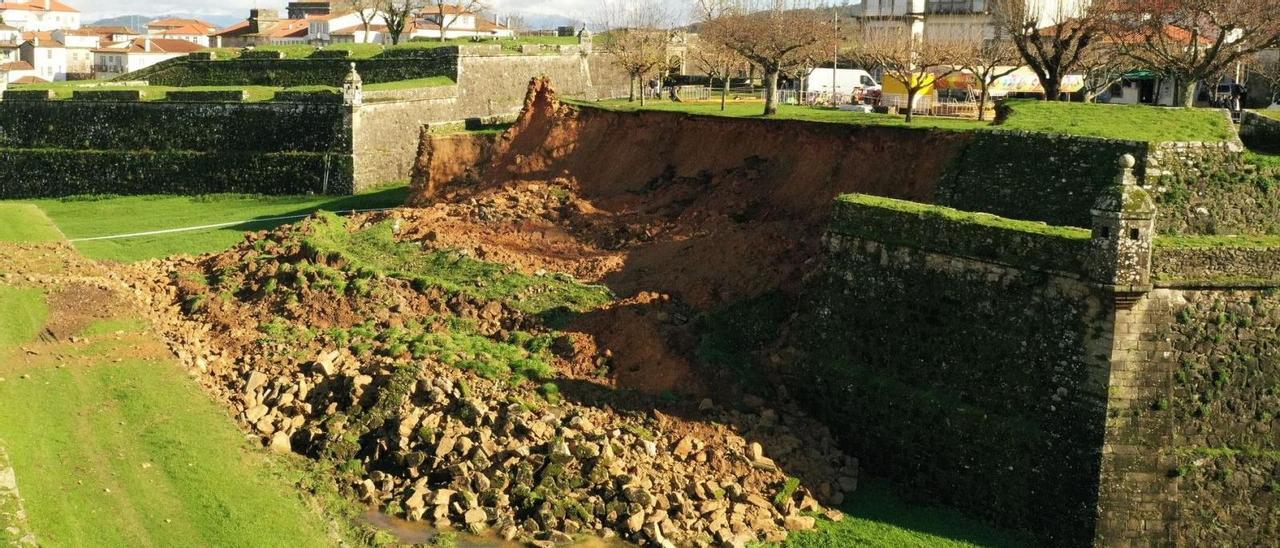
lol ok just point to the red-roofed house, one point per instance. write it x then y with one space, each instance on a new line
191 30
263 27
46 53
39 15
459 23
13 72
116 59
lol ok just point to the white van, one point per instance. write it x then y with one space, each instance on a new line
846 81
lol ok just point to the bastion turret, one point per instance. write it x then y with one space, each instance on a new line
1123 229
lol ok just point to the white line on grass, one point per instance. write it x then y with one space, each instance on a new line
218 225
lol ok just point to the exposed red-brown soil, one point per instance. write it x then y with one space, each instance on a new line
707 211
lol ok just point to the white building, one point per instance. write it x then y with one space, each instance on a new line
192 30
39 15
116 59
80 44
47 55
954 19
347 26
18 72
459 23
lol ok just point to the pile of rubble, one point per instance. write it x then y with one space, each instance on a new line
421 439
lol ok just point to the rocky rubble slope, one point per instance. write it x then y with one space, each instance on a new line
454 400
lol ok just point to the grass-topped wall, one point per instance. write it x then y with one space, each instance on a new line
42 173
1038 176
965 382
211 127
1027 244
303 72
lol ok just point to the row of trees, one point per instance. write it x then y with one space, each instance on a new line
1189 41
400 15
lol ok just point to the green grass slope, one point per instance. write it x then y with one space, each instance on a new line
1130 122
25 223
22 314
112 449
105 216
753 109
877 517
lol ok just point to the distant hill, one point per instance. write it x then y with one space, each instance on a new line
139 22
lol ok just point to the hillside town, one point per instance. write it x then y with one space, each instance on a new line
669 273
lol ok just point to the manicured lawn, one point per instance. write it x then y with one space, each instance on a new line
877 517
753 109
64 90
22 314
431 82
1131 122
91 217
114 445
25 223
1270 112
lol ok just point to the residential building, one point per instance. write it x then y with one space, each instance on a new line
18 72
192 30
79 44
458 23
46 55
952 19
39 15
263 27
344 27
10 40
113 35
114 60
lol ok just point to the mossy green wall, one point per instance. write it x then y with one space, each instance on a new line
301 72
210 127
42 173
964 381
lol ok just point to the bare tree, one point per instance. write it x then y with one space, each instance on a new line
1195 40
1267 70
400 15
989 59
448 12
637 38
1102 66
1051 37
915 62
713 58
776 35
367 11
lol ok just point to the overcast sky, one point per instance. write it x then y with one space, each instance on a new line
97 9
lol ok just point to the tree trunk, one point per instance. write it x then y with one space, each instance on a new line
982 103
644 87
1186 93
724 91
911 102
1052 89
770 92
631 90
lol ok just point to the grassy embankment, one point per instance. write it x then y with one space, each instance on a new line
112 444
256 94
87 217
1130 122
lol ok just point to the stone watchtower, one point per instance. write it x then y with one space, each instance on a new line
353 88
1123 228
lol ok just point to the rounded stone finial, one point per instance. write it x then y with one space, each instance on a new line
1127 161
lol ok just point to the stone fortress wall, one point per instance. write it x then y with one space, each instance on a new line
300 143
1103 387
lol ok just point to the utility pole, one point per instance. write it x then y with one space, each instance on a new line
835 57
